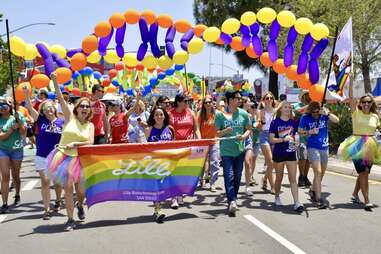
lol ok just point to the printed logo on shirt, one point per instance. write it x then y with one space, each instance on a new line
51 128
233 123
322 124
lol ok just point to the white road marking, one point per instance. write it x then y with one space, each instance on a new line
30 185
290 246
2 218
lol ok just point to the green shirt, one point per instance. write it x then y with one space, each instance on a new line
15 141
239 122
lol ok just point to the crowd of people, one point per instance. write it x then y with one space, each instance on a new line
291 136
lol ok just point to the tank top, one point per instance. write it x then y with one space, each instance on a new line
74 131
182 123
268 118
119 128
157 135
207 128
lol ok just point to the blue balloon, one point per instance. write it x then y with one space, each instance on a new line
115 82
75 75
51 96
161 76
62 88
97 74
82 72
154 81
121 89
170 72
130 92
105 76
88 70
179 67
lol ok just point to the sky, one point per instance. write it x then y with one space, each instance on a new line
75 19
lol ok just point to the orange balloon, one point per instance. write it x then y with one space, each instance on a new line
279 66
219 41
78 62
250 52
236 43
149 16
110 89
40 81
117 20
63 75
182 26
316 92
76 91
19 93
90 44
102 29
291 72
132 17
199 29
164 20
67 88
304 81
265 60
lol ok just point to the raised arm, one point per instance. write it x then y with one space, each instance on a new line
28 104
65 108
352 101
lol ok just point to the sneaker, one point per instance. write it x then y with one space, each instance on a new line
4 208
321 204
312 195
69 225
47 215
301 181
80 212
355 200
213 188
159 216
17 199
249 192
368 207
307 182
180 200
253 182
232 208
174 204
278 202
298 207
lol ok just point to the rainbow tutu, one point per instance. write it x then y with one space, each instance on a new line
365 148
61 168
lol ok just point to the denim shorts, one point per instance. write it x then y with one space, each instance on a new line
15 155
314 154
264 138
256 148
248 144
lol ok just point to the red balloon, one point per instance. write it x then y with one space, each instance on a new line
119 66
106 83
34 72
112 73
140 67
76 91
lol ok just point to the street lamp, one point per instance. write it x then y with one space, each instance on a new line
33 24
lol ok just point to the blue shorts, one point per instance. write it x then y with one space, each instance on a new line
15 155
264 138
256 148
314 154
248 144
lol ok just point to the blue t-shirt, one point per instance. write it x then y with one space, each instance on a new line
48 135
318 141
282 129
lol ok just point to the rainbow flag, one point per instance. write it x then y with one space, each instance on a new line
142 172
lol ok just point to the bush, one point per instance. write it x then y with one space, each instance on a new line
338 132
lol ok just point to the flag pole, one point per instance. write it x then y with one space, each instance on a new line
330 66
11 67
186 77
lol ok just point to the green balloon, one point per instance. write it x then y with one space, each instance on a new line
191 75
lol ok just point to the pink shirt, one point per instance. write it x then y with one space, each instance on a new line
182 123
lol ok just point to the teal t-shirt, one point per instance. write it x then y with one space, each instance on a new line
239 121
15 141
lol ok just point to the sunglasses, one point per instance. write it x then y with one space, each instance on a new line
100 91
83 106
47 107
269 98
366 102
207 102
238 98
4 106
315 111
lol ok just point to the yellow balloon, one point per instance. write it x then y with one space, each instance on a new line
59 50
230 26
30 52
130 60
266 15
286 19
150 62
94 57
195 46
17 46
165 62
248 18
180 57
211 34
319 31
111 57
303 25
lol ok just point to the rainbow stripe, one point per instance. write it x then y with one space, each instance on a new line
142 172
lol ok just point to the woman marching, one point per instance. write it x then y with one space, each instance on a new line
48 134
63 162
282 134
362 147
314 125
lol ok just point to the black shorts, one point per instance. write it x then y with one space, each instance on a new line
29 132
360 166
99 140
284 157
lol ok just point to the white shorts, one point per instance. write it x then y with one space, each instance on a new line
40 163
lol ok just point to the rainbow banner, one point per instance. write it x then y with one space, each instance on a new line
142 172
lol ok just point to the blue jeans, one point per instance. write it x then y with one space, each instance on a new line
232 167
214 159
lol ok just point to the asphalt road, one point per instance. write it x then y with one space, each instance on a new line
201 226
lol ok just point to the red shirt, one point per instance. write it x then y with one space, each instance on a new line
119 128
99 112
182 123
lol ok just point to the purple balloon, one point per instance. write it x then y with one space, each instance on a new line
307 43
274 30
184 45
319 48
102 51
226 38
313 71
43 50
245 30
49 66
254 28
170 49
72 52
104 41
154 28
187 36
171 33
272 48
292 35
55 56
143 26
257 45
119 36
246 40
61 62
302 63
142 51
288 55
119 50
